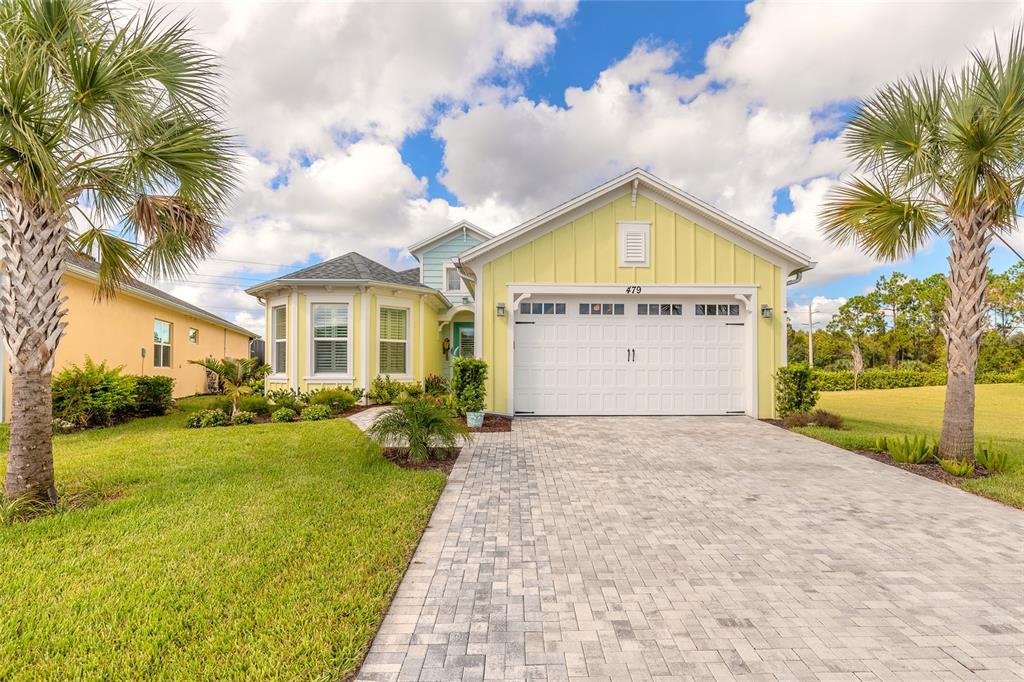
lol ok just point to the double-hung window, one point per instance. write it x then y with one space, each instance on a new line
330 338
394 340
161 343
452 280
279 338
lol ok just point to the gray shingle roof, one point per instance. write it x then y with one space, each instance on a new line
87 263
355 266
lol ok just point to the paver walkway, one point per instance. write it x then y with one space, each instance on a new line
702 548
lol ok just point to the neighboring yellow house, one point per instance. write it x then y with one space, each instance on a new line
633 298
143 329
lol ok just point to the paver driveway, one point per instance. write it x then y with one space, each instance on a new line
702 548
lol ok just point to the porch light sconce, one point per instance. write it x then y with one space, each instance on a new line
766 311
501 310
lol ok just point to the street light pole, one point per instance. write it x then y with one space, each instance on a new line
810 337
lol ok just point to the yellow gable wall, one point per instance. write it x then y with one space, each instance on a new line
585 251
117 330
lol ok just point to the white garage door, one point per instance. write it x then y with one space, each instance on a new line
613 355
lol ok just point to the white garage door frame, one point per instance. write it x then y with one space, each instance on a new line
746 294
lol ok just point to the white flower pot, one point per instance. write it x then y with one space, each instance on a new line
474 419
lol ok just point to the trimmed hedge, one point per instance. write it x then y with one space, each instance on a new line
877 378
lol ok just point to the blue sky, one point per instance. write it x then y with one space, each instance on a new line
406 118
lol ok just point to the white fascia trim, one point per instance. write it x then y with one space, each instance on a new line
621 289
311 376
425 244
364 308
622 186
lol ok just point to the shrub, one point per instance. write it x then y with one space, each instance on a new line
153 395
286 397
446 402
883 377
435 384
468 377
794 390
222 403
964 468
909 450
207 418
336 399
257 404
995 461
243 417
384 390
93 395
315 413
420 424
797 419
829 420
357 391
284 414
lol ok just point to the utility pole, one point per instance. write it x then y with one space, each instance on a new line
810 337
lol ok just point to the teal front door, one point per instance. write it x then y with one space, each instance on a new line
462 343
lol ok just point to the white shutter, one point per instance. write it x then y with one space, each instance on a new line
634 244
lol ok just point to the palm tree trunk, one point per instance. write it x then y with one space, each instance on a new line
32 245
965 322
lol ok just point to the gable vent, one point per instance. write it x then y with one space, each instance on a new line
634 244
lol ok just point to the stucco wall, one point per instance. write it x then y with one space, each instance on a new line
117 330
584 251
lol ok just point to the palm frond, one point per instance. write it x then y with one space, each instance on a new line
119 259
882 223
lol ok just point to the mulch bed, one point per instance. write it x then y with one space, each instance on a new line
444 461
493 423
931 470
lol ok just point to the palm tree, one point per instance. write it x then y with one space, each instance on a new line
113 118
235 377
941 156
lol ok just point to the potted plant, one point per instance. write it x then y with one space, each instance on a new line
468 377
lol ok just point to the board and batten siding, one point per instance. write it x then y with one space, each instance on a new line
435 259
584 251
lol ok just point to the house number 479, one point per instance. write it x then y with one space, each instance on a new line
632 290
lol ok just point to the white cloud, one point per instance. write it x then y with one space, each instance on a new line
343 85
760 118
301 73
823 308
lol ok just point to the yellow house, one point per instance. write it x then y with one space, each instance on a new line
143 329
633 298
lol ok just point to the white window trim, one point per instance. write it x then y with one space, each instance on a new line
384 302
625 226
327 377
272 303
169 344
448 267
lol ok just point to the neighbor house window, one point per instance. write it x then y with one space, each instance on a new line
193 335
330 338
161 343
394 339
279 338
452 280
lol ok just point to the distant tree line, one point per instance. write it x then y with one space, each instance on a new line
899 325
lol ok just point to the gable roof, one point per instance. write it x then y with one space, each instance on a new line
637 178
83 265
350 268
462 225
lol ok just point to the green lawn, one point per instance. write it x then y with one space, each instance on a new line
266 551
912 411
